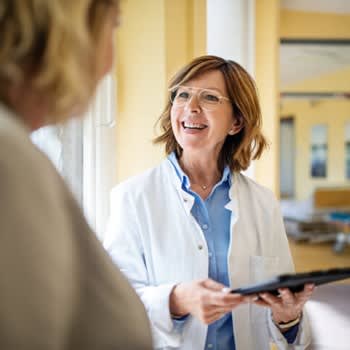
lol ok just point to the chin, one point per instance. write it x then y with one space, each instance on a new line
192 148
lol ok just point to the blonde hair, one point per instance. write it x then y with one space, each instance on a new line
238 150
51 45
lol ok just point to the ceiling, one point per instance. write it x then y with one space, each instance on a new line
329 6
302 61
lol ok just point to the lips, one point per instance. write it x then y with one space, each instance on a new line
193 126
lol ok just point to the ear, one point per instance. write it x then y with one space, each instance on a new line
237 125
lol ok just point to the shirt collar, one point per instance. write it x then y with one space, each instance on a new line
179 172
185 181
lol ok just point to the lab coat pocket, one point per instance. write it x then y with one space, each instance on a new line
261 268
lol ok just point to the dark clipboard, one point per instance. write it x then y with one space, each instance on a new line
295 282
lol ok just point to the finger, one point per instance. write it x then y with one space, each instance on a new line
246 298
217 310
310 286
287 296
212 285
303 297
214 317
251 298
308 289
219 295
225 299
261 302
270 299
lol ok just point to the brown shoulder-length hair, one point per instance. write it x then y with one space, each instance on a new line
53 45
239 149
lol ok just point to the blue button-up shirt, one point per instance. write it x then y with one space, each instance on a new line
214 220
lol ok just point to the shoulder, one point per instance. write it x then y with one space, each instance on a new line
18 153
14 141
149 181
251 188
28 179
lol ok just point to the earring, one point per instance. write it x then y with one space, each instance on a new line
231 132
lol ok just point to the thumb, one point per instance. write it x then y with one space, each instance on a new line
213 285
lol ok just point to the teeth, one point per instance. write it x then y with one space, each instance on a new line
194 125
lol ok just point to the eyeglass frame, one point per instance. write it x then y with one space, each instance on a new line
199 90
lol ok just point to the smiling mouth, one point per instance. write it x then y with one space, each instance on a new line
193 126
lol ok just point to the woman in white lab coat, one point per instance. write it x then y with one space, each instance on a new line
194 226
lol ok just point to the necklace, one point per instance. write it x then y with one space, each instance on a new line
203 187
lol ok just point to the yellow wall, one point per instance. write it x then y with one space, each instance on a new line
185 25
334 114
271 25
297 24
156 38
267 77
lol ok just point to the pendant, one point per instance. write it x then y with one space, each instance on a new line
204 187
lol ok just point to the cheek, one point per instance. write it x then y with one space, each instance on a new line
106 50
175 124
109 54
174 117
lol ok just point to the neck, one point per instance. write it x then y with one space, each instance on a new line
29 106
202 171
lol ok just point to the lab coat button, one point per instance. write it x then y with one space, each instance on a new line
200 247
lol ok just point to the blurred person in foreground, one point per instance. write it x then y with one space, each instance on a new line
59 289
189 229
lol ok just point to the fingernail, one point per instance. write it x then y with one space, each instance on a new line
226 290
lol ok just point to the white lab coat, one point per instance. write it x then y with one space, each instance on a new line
154 239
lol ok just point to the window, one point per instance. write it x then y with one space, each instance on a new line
83 151
319 151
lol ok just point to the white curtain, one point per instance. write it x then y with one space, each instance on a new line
83 151
99 156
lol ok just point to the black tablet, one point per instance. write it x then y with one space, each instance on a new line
295 282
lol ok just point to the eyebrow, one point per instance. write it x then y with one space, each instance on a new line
206 88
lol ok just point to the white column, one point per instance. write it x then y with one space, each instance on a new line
230 30
231 35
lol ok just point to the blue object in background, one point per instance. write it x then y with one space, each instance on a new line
339 216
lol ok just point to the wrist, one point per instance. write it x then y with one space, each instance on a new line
176 307
284 326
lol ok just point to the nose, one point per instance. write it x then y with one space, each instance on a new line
193 104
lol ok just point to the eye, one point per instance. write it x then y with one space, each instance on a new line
183 95
210 97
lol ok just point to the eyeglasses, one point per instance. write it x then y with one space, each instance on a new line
207 99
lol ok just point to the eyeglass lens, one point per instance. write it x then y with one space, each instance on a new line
206 98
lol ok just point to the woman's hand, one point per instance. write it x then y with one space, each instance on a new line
287 306
204 299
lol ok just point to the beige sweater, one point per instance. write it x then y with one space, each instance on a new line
58 287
